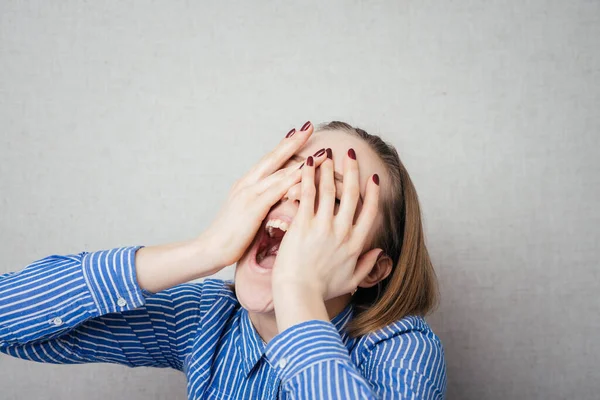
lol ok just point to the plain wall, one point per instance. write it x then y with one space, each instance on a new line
126 122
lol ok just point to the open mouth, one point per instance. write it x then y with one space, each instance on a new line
268 246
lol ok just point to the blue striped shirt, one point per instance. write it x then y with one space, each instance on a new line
88 307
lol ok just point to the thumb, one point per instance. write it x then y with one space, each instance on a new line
365 264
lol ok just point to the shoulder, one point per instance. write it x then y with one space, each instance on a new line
217 287
213 287
207 291
215 302
407 346
410 327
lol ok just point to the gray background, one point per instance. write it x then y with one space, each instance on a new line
126 123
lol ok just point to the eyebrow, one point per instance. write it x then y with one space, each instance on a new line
336 175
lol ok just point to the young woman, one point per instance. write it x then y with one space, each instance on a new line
331 285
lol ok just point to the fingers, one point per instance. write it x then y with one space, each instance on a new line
278 177
272 189
290 175
279 185
318 158
306 210
273 160
350 194
327 191
368 213
283 173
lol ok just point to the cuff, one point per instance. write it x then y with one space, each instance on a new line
111 277
304 345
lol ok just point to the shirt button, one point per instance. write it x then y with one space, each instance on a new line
57 321
121 302
282 363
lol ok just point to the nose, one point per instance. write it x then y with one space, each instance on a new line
293 194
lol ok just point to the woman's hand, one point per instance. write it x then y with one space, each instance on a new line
319 252
251 198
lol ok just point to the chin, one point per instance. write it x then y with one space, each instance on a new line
254 297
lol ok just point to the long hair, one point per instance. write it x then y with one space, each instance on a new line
411 288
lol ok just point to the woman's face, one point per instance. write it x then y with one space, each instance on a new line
252 283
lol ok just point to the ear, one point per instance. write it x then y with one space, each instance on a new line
372 267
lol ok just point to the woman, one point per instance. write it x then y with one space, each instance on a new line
331 285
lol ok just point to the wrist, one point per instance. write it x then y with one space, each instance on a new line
209 255
163 266
298 286
295 303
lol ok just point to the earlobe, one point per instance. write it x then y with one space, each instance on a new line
381 269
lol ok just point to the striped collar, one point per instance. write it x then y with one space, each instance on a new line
252 347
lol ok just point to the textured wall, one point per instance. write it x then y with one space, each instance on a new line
126 122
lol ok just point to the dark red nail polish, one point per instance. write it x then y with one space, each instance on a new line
290 133
305 126
329 154
302 165
319 153
376 179
352 154
309 162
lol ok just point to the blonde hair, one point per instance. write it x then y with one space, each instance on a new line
411 288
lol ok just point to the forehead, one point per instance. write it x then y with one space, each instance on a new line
369 162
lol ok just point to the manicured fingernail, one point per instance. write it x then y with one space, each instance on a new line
352 154
376 179
290 133
305 126
329 154
319 153
301 165
309 162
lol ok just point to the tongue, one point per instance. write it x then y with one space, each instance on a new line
267 262
270 255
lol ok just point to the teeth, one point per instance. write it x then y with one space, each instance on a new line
276 223
272 224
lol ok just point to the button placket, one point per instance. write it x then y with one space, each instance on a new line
57 321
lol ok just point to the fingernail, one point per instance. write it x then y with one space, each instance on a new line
381 254
290 133
305 126
376 179
352 154
319 153
309 162
329 154
301 165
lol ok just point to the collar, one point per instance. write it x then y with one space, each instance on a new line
252 347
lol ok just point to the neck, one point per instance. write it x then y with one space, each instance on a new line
266 323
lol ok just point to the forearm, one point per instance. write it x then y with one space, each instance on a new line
163 266
295 304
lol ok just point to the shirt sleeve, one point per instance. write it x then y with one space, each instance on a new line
88 307
314 363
